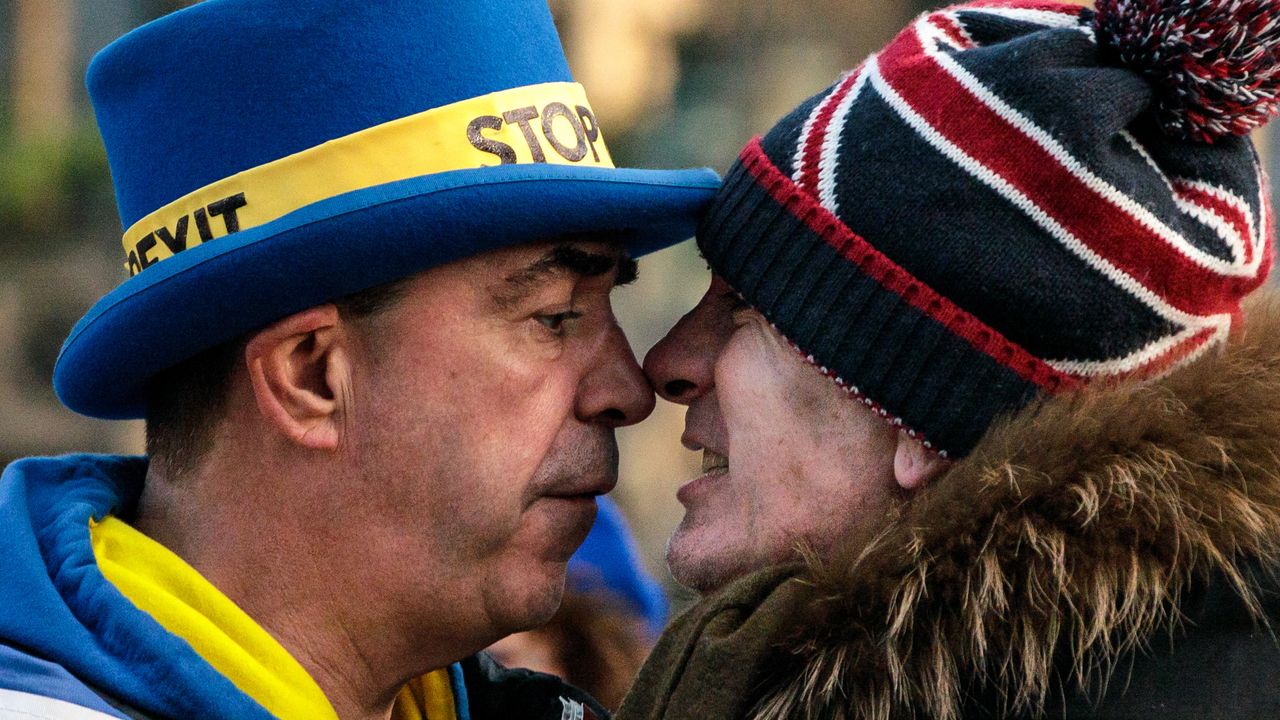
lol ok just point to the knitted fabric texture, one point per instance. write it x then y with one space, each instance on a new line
986 211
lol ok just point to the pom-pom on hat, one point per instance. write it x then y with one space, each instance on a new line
1215 65
1012 199
271 156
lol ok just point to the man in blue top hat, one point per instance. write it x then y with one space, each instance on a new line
370 248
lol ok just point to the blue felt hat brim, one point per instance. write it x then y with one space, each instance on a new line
217 291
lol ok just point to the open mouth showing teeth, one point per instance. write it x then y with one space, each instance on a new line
714 462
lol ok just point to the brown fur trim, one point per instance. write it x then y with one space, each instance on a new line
1068 534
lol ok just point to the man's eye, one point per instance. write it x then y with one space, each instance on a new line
555 321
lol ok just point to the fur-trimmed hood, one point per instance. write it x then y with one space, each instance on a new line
1065 539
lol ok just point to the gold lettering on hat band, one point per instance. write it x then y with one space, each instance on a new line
547 123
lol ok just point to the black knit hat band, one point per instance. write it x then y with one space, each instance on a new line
857 317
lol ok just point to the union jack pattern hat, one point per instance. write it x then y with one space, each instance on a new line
1012 199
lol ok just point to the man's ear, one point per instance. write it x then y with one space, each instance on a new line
914 464
300 372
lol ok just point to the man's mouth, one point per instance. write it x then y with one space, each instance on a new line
714 467
588 489
713 463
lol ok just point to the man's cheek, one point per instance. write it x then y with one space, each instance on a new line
539 411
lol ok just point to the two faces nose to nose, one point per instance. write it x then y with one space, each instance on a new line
614 392
623 393
680 367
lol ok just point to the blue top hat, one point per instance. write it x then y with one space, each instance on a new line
272 156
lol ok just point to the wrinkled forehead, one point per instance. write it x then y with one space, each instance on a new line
556 252
510 273
502 279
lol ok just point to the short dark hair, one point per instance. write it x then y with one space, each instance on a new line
186 401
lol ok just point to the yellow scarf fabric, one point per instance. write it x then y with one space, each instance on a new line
164 586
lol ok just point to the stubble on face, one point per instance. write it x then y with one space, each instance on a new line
471 436
566 484
806 463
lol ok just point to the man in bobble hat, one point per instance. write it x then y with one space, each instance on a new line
370 248
978 343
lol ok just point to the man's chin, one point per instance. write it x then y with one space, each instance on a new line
702 566
563 525
529 605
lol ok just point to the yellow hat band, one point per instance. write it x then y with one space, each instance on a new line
547 123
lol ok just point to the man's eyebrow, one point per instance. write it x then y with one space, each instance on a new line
561 259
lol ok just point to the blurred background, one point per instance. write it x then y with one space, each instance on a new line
674 82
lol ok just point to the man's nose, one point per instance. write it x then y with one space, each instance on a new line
682 365
614 392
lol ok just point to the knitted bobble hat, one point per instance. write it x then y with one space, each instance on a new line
1012 199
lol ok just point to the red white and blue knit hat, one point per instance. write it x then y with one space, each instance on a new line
1012 199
